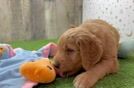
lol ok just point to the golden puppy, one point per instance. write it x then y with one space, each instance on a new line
92 46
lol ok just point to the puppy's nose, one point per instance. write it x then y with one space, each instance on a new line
56 64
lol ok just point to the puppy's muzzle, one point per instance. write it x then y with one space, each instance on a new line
56 64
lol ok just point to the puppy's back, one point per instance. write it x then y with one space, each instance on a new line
104 23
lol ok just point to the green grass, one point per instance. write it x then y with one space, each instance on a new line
31 45
124 78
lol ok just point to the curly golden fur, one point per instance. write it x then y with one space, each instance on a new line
92 46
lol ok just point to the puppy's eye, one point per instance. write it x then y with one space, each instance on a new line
70 50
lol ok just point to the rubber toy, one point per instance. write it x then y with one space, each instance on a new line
41 71
126 49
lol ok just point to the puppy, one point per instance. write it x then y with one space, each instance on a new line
92 46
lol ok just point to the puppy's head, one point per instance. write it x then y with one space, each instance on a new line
77 48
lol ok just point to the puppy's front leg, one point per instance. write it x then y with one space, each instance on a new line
90 77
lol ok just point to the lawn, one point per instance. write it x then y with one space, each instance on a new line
124 78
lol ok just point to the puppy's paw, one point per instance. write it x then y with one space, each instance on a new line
84 80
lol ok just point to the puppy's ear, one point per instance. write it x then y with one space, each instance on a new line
90 49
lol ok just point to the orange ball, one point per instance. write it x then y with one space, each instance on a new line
41 71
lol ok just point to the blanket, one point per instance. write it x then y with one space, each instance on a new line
9 67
